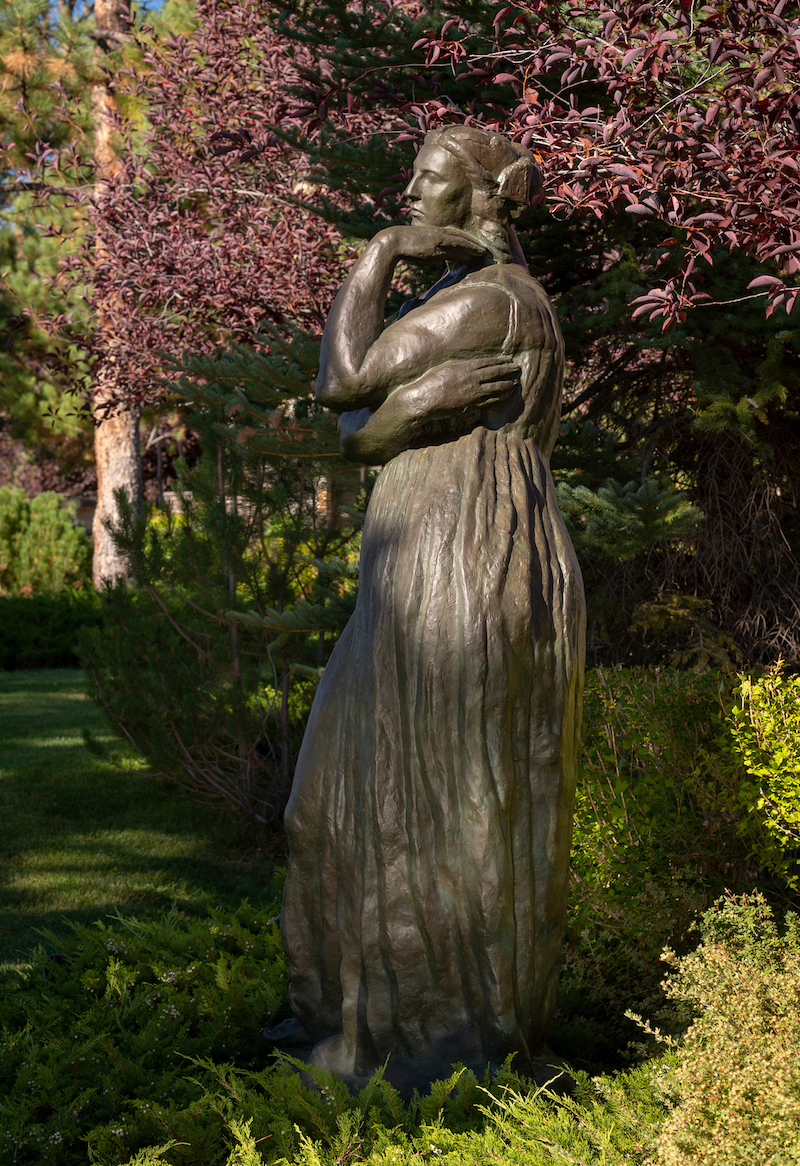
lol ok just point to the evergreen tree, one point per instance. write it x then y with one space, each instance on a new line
209 665
41 548
44 62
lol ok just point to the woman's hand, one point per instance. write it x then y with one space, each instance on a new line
422 242
443 404
461 386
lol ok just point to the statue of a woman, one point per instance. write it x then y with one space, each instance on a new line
431 813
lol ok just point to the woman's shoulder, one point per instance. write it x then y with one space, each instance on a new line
515 279
532 306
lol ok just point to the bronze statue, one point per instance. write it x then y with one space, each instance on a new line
431 813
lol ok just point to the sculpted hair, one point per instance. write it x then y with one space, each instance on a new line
505 179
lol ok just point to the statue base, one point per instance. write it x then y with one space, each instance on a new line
407 1074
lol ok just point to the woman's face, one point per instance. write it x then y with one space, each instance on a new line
440 193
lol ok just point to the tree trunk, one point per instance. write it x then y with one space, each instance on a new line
116 436
116 451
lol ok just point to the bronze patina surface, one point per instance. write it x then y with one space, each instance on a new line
431 812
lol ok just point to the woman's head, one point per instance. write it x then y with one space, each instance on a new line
473 179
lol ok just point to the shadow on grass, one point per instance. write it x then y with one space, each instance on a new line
82 839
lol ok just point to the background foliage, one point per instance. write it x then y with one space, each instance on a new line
253 151
668 142
208 668
41 547
677 800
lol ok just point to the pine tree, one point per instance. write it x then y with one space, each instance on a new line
61 107
44 62
209 664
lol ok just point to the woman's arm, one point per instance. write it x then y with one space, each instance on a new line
354 321
356 318
446 401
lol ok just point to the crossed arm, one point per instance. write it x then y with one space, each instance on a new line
431 372
445 402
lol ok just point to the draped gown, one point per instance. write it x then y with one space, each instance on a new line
431 812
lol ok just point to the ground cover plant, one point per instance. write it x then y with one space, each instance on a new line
85 835
132 1034
140 1039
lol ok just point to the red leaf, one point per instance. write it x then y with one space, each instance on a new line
631 55
765 281
623 171
783 250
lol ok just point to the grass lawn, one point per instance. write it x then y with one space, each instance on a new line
82 838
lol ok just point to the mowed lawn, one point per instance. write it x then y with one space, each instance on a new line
82 838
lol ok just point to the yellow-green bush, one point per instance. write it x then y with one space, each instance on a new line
689 785
736 1087
765 726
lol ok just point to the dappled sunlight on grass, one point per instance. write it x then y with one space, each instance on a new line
84 837
72 742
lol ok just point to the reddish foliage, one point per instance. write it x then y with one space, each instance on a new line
202 235
687 114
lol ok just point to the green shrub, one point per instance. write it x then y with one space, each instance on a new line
41 548
765 725
737 1081
137 1034
43 631
15 510
670 812
208 664
213 702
